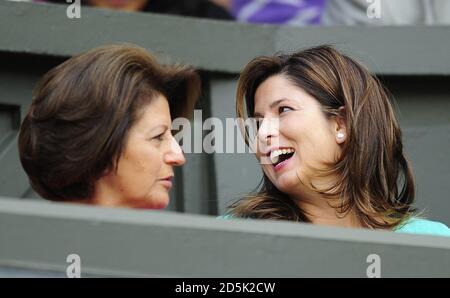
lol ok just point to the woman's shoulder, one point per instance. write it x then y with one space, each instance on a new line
417 225
414 225
226 216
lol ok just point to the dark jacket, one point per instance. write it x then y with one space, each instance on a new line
190 8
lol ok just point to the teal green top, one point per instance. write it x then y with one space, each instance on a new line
413 226
423 226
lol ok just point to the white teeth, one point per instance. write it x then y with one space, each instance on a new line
276 153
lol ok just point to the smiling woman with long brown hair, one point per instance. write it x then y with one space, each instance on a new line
335 155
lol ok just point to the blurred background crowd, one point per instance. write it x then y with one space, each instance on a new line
292 12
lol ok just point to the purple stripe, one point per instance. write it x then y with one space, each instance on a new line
273 13
279 12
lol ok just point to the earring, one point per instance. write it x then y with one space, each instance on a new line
340 135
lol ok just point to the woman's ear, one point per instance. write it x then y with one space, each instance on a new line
340 127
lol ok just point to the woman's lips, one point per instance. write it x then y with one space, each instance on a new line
282 164
167 182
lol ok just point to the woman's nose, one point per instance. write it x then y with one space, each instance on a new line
175 156
268 129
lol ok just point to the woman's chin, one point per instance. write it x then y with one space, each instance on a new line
159 203
286 182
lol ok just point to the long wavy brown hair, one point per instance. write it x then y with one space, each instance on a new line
375 180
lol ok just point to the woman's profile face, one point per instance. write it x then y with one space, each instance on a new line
145 169
294 136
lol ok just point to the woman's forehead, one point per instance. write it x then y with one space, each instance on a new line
157 112
276 90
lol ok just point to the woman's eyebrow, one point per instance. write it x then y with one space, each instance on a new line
271 106
158 127
277 102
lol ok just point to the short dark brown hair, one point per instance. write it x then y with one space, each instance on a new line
82 110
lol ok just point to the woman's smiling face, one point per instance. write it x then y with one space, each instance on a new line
295 138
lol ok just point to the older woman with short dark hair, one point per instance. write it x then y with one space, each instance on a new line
99 128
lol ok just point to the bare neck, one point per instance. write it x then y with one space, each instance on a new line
322 210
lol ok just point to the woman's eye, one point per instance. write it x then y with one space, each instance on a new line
284 109
159 137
